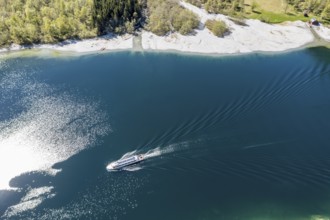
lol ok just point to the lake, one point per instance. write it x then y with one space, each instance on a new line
235 137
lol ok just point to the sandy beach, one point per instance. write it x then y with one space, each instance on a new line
323 32
107 42
252 37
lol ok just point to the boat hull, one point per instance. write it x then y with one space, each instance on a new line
126 162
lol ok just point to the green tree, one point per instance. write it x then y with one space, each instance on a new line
185 21
158 25
326 12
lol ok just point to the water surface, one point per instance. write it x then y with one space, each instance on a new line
240 137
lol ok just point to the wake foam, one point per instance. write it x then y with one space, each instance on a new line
159 151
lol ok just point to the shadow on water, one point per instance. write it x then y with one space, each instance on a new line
9 198
319 53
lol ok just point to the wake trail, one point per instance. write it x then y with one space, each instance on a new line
155 152
265 144
159 151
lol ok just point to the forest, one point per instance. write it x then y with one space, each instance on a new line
34 21
47 21
39 21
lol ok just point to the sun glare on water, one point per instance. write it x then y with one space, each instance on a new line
14 160
52 127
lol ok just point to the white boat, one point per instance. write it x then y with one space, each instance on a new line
122 163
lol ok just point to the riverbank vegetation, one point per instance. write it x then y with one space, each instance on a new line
168 16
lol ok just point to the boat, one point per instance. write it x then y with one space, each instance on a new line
122 163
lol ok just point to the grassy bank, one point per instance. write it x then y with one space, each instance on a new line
274 18
278 11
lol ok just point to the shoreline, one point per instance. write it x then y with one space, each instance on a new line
51 52
254 37
95 45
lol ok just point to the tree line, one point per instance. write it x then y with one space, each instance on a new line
34 21
47 21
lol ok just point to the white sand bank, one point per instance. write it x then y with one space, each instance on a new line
255 36
108 42
323 32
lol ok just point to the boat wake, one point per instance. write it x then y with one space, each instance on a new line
133 168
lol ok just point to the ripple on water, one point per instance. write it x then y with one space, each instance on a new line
112 197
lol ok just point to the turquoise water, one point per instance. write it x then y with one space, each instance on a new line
238 137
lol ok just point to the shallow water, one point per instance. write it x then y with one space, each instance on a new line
240 137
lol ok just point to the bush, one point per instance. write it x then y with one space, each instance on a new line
218 28
214 6
168 15
254 6
185 22
224 6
